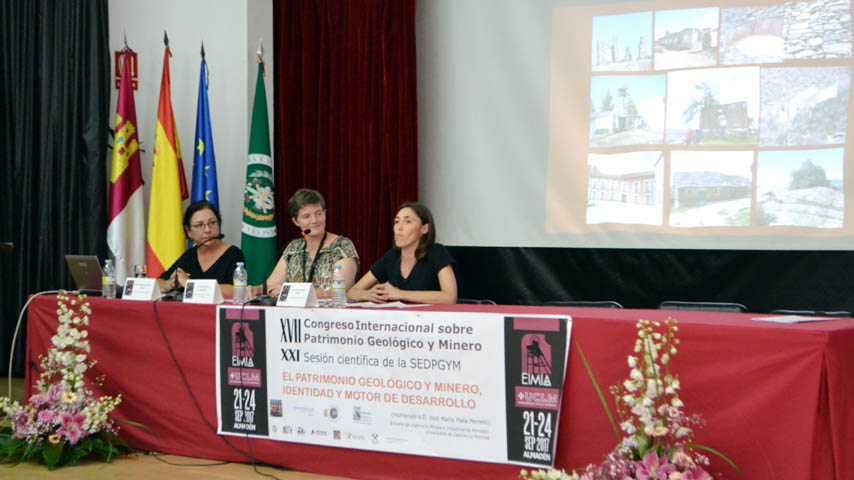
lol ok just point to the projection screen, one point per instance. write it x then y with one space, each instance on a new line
710 125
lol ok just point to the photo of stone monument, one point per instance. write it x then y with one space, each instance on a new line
627 110
804 106
622 42
715 106
686 38
800 188
752 35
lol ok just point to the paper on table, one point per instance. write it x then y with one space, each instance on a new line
794 319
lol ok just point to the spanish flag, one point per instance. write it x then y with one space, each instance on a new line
126 224
166 241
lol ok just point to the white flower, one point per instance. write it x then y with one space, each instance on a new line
630 386
633 362
628 427
651 388
676 402
636 375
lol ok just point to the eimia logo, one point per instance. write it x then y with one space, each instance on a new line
242 340
536 360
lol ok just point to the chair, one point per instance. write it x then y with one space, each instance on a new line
471 301
585 303
813 313
703 306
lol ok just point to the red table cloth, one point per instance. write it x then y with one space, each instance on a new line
777 399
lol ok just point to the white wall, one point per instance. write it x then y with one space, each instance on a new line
230 30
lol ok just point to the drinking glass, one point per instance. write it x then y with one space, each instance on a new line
140 270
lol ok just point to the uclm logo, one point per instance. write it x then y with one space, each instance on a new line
536 360
242 345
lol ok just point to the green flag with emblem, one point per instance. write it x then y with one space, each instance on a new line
258 240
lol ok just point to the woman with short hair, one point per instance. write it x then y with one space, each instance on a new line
314 254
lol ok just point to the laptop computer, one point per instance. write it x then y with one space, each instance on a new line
86 271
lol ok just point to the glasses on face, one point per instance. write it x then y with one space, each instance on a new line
201 225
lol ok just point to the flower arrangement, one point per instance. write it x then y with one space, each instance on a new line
63 421
656 442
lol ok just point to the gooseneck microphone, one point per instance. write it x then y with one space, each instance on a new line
175 293
218 237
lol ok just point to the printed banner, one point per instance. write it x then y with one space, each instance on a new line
422 383
535 362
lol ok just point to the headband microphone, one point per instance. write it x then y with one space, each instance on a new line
305 232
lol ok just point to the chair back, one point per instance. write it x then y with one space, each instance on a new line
472 301
585 303
703 306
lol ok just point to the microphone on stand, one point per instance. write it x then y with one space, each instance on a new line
175 294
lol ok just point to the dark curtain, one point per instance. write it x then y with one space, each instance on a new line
54 115
643 278
345 114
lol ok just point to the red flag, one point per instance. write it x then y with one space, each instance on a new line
126 219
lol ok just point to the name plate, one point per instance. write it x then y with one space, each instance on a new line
145 289
202 291
297 295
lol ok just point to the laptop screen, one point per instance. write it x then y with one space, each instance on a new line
86 271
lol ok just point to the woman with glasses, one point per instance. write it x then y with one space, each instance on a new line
210 259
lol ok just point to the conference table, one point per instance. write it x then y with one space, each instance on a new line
778 399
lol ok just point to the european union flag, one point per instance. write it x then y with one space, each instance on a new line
204 163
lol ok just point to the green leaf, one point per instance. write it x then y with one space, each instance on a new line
135 424
32 450
599 392
115 440
719 454
52 453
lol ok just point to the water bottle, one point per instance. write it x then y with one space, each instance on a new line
240 294
108 280
339 287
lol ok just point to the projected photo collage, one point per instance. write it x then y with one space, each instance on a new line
771 82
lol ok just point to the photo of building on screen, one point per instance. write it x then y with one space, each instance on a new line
626 110
710 189
686 38
625 188
800 188
804 106
715 106
622 42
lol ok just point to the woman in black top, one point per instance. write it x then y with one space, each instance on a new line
210 259
416 270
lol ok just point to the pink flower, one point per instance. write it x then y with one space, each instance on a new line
45 416
54 393
38 400
72 426
652 468
696 474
